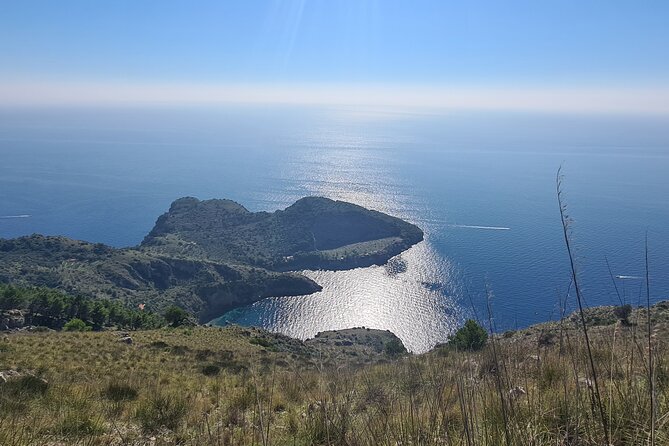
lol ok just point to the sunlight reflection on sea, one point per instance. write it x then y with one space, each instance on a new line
412 295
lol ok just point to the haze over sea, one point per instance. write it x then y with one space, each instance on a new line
480 184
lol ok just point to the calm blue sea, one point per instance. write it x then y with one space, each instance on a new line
481 185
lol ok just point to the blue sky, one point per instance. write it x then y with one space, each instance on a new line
414 44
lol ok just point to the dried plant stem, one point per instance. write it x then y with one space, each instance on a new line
651 381
565 230
498 371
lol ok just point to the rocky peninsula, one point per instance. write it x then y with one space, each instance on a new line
211 256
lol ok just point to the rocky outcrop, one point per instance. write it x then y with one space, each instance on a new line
12 319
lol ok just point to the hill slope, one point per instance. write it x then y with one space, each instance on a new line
233 385
205 288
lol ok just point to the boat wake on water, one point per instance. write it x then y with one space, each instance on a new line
489 228
7 217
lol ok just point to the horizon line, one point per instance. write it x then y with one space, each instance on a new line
512 98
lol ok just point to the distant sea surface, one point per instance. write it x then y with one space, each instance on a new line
480 184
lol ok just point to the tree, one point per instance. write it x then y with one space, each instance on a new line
470 337
99 315
176 316
11 298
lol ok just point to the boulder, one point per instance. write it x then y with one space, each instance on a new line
126 340
12 320
8 375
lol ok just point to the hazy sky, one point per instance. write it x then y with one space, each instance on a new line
400 51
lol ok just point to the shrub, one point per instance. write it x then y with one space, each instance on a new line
261 342
79 425
211 370
119 392
395 347
623 313
25 386
161 410
76 324
470 337
546 339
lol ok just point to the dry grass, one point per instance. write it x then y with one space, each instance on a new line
218 386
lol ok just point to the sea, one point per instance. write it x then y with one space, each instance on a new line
481 184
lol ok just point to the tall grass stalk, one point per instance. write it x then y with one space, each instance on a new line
566 225
651 380
498 370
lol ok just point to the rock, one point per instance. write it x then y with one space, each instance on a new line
12 375
38 329
517 392
126 339
8 375
12 320
585 382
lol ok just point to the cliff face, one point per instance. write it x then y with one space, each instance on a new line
212 256
313 233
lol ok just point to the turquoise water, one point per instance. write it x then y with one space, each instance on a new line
481 185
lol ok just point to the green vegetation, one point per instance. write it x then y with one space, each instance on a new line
76 324
53 309
470 337
394 348
134 278
206 385
623 313
176 316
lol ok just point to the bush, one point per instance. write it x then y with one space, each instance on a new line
24 387
470 337
119 392
395 347
79 425
623 313
261 342
546 339
176 316
211 370
161 410
76 324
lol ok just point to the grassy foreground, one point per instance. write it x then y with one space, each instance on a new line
206 385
